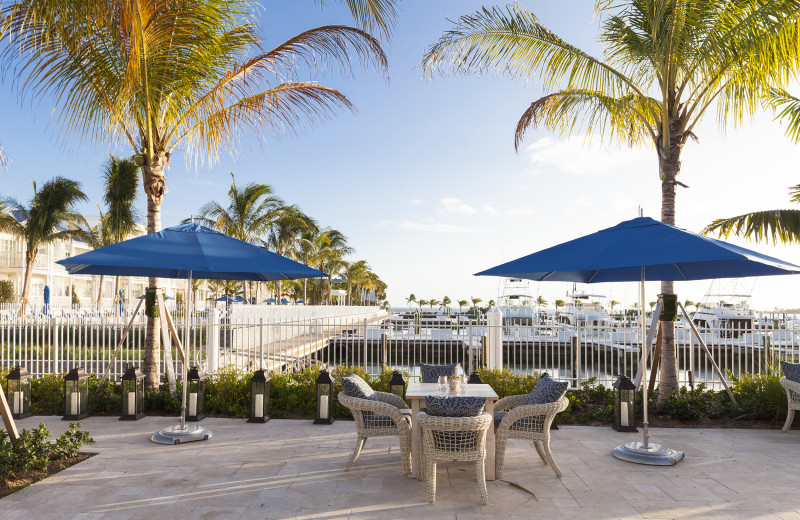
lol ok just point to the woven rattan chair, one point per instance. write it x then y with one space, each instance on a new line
793 396
528 422
453 438
386 417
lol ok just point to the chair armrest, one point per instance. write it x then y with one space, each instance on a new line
377 407
790 385
479 422
534 410
392 399
510 401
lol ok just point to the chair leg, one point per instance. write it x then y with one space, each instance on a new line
431 470
481 467
356 452
499 455
550 458
538 446
405 456
789 419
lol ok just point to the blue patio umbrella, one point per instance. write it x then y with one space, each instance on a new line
638 250
46 308
284 301
226 299
269 300
121 304
238 299
187 251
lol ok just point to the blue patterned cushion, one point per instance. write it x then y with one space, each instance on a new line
354 386
547 390
431 373
454 406
791 371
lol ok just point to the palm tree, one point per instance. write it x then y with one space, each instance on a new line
612 304
354 276
411 298
462 304
559 303
432 302
421 303
43 220
446 301
121 178
159 74
475 302
283 235
666 63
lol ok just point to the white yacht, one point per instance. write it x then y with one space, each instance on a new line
515 300
585 310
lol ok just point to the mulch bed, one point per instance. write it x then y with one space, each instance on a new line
17 481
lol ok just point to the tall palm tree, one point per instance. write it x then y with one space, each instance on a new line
411 299
666 63
249 214
432 302
49 216
121 179
159 74
462 304
96 236
283 235
421 302
475 302
354 275
559 303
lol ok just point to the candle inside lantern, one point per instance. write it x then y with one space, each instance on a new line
623 414
323 407
17 402
73 403
193 404
259 408
131 403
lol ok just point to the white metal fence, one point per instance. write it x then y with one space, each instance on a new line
53 345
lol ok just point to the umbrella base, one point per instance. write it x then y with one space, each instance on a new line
653 454
178 435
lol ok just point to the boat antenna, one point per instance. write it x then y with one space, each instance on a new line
641 211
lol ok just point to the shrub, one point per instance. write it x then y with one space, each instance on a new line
6 291
33 451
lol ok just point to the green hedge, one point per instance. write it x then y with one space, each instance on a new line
293 395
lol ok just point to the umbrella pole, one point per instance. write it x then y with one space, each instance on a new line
644 361
644 452
186 351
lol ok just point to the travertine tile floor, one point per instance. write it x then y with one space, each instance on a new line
293 469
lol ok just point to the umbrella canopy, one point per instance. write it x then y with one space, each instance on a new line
618 253
226 299
284 301
46 308
121 305
269 300
175 252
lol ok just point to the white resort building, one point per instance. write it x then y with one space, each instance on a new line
46 272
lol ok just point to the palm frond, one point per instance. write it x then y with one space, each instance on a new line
373 15
629 118
780 226
789 107
513 42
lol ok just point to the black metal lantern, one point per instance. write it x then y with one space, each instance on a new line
196 388
475 379
18 391
397 385
76 395
324 398
132 394
259 397
624 404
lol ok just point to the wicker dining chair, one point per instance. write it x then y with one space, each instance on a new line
793 396
447 439
386 416
528 422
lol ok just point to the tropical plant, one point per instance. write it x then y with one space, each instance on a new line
411 299
612 304
159 74
558 304
462 304
475 301
666 63
422 302
49 216
6 291
540 301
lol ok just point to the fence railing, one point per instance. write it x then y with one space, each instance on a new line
574 354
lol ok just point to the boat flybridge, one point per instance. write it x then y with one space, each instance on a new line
585 310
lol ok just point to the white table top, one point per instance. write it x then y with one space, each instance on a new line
420 390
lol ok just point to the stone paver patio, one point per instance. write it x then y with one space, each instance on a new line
293 469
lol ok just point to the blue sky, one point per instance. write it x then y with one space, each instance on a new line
423 178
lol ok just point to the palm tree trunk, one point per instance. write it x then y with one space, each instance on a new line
155 187
117 299
100 293
30 257
669 166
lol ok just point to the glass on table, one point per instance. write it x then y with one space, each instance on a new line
443 383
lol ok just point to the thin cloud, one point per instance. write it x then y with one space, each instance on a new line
425 227
416 201
577 157
455 205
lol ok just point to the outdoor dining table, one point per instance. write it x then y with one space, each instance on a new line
417 392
